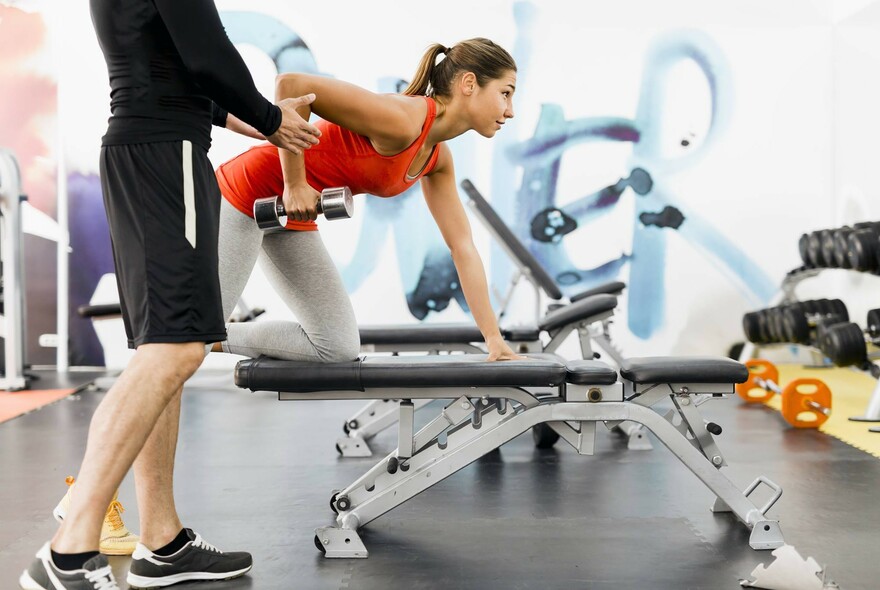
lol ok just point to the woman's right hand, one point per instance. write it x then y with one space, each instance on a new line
301 202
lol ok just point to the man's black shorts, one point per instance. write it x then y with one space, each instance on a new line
163 207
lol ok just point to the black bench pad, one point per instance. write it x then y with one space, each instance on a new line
612 288
582 372
459 370
420 334
578 311
437 334
683 369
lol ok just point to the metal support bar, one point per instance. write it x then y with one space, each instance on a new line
377 416
452 415
405 430
11 249
702 438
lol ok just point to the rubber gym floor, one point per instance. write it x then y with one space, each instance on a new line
256 474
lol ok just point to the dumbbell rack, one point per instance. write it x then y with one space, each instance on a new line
12 320
787 296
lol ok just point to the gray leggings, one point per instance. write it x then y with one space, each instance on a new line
303 274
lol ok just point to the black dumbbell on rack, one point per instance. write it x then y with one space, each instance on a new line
856 247
792 323
846 344
863 247
805 324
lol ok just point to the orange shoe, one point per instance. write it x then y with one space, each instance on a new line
116 539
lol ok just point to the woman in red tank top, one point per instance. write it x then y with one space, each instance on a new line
376 144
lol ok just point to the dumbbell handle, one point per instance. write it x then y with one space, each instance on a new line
771 386
768 385
280 211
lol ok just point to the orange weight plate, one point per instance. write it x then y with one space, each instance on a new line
796 408
750 391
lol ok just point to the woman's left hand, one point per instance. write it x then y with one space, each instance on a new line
500 351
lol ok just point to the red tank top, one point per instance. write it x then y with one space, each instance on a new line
343 158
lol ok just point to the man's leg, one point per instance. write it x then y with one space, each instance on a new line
154 479
119 430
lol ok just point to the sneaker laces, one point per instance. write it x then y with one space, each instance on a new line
114 515
102 578
201 543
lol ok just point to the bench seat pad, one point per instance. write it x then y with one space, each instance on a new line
612 288
683 369
458 370
582 372
437 334
579 311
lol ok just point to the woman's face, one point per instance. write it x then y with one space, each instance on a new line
491 105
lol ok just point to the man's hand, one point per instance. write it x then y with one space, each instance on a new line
301 202
295 133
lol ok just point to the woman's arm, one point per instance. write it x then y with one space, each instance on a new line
442 198
391 122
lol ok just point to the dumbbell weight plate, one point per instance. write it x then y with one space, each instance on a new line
841 259
873 323
810 306
844 344
268 212
796 326
826 240
750 391
862 250
814 250
752 327
838 308
336 203
795 403
777 326
804 249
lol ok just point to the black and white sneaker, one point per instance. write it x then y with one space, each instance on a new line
44 575
197 560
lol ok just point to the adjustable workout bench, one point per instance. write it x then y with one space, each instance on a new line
491 405
588 316
589 313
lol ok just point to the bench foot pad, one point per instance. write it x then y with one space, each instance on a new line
340 543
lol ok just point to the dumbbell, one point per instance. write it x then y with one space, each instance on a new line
800 321
806 403
863 247
844 345
335 203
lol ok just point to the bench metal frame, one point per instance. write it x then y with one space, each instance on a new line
481 419
381 414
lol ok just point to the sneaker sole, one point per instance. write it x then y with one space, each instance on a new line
135 581
27 582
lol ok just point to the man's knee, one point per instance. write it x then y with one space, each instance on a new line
181 359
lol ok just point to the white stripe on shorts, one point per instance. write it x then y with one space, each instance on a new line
189 194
